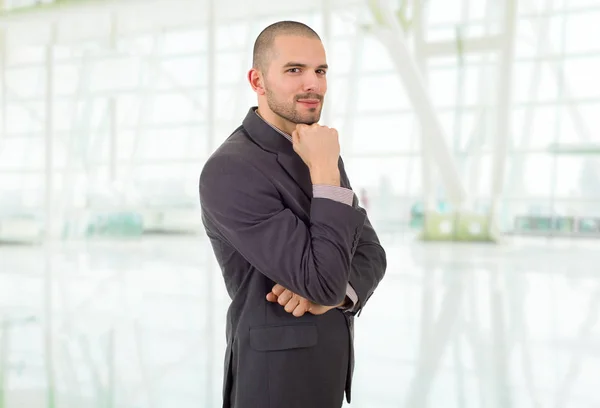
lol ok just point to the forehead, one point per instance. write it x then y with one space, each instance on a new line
307 50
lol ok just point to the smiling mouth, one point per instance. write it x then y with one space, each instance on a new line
309 102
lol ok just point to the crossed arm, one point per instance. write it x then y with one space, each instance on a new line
315 261
367 270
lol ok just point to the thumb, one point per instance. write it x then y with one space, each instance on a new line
295 136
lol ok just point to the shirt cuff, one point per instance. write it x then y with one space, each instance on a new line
351 293
335 193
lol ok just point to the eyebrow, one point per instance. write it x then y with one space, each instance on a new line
300 65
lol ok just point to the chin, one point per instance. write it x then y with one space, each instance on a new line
309 119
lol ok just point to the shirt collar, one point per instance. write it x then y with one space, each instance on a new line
281 132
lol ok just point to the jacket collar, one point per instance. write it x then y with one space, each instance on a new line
272 140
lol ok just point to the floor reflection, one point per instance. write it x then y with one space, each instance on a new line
141 324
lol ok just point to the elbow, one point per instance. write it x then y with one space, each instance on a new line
335 299
383 263
330 292
325 279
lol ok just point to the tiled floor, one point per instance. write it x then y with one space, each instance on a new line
139 324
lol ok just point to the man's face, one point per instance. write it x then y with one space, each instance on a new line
295 83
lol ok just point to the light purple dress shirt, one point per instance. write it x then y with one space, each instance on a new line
335 193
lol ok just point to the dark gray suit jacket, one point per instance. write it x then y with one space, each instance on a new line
265 228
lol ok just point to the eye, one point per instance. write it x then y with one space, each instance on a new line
294 70
321 71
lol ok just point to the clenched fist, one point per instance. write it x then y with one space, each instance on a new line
319 147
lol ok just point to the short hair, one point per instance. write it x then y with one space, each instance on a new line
264 42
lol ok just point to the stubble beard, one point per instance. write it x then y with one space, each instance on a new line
289 112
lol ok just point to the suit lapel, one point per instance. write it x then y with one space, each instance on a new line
295 167
270 140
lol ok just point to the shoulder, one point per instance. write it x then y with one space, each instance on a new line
235 164
235 154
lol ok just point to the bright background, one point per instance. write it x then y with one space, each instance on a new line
109 294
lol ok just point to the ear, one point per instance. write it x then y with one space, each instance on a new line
256 81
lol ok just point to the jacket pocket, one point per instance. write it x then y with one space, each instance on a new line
283 337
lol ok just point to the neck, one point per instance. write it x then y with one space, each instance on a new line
275 120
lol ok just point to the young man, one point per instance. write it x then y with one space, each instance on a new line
298 255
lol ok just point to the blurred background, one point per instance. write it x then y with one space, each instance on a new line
470 132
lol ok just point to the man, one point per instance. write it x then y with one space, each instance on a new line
298 255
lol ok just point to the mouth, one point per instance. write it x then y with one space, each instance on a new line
310 103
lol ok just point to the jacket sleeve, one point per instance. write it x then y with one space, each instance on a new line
369 262
246 210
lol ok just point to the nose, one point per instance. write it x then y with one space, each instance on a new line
311 82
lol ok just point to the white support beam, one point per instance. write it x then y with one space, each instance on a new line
392 36
49 225
351 102
426 159
112 141
468 46
503 119
3 90
516 170
112 111
579 123
49 134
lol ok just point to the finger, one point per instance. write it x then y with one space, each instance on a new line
291 305
271 297
284 297
277 289
300 310
302 307
315 309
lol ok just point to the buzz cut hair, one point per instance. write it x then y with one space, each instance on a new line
263 46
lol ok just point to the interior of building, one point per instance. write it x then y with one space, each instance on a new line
470 133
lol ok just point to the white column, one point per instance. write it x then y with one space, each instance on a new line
426 159
503 122
351 84
3 103
391 35
49 134
49 227
112 151
112 110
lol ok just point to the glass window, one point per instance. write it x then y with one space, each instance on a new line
535 127
26 82
382 133
115 73
532 178
580 74
583 31
381 92
184 41
180 72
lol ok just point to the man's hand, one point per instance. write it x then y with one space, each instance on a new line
319 148
296 304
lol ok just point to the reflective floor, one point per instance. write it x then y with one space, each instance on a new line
140 324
